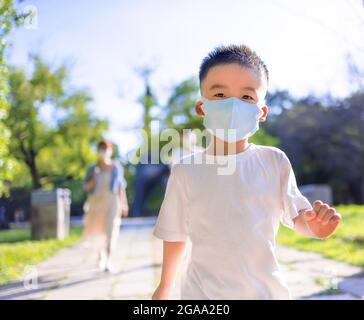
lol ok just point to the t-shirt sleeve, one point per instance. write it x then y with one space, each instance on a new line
172 221
292 200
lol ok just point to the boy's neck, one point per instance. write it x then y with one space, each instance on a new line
220 147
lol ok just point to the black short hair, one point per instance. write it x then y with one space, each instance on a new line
240 54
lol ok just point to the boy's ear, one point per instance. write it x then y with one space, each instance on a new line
198 108
263 117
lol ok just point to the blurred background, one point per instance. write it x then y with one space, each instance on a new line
74 73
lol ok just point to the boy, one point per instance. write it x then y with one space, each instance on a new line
232 219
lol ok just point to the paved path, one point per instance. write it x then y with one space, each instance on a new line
73 273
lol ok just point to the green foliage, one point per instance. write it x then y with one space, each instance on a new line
262 138
180 109
16 235
17 251
346 244
8 19
324 141
60 148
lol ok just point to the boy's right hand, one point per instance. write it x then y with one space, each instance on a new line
162 292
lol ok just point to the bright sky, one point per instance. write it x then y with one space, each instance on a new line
304 44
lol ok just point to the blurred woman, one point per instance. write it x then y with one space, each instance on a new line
106 204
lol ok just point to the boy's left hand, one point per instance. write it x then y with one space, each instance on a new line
322 220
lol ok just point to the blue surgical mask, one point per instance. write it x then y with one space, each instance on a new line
231 119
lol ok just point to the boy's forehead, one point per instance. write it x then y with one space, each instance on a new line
233 76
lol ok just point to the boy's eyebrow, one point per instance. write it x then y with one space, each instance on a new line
221 86
217 86
249 89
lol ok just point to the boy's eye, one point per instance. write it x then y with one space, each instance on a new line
247 97
219 95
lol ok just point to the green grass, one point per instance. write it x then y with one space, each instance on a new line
16 235
346 244
17 251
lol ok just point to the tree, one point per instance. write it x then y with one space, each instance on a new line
347 134
61 146
147 100
8 19
325 144
180 109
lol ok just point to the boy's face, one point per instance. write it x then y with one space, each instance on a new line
232 80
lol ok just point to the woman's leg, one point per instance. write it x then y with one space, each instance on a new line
111 244
103 258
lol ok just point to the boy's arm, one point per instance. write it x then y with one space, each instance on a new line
172 256
318 223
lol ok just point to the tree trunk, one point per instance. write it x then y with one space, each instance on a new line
29 158
33 170
35 177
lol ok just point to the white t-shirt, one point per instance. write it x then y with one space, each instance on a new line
231 221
